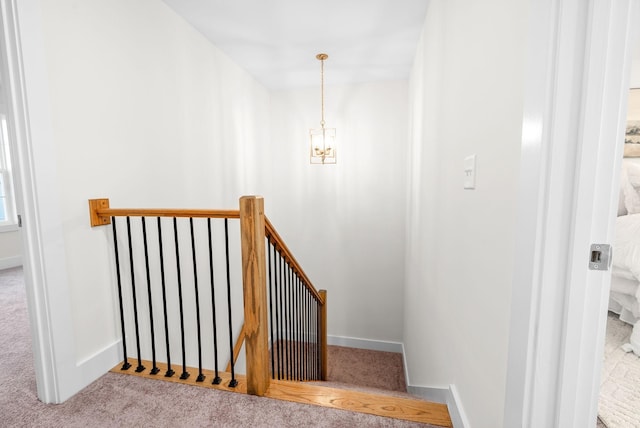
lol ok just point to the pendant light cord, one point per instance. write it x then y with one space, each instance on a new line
322 91
322 57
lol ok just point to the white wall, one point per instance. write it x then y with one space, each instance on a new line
145 112
345 223
466 90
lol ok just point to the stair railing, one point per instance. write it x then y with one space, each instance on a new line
284 325
298 316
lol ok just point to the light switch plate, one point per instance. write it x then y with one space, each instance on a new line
470 172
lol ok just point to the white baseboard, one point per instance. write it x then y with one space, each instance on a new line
10 262
456 411
371 345
448 396
435 395
91 368
444 395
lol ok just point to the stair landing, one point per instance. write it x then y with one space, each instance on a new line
314 393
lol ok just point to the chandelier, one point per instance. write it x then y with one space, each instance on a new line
323 140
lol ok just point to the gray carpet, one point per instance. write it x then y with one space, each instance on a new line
117 400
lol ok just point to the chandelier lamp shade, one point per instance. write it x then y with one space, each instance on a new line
323 140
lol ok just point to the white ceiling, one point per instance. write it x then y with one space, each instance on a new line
277 40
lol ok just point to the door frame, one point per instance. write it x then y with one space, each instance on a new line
576 87
35 182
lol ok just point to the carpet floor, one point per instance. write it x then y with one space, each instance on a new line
117 400
619 404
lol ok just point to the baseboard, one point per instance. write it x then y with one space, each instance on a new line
435 395
447 395
371 345
456 411
10 262
91 368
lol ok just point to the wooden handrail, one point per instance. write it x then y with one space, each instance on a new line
101 214
271 231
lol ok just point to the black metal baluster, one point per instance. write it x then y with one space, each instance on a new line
296 324
169 371
276 261
271 307
154 369
306 333
201 376
281 353
135 300
217 379
299 325
184 374
291 314
314 320
318 348
293 325
287 321
233 382
125 363
303 329
306 330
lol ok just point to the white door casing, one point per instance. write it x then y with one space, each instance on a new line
576 90
35 180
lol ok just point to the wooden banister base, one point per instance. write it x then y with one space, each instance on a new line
98 219
314 393
254 286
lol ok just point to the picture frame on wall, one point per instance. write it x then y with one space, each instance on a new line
632 135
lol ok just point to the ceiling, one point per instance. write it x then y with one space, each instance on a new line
276 41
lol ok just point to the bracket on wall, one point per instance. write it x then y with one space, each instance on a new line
97 219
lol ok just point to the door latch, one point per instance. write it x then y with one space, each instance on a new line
600 257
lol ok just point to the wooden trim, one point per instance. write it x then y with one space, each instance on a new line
408 409
323 336
98 219
254 284
101 214
237 347
288 256
168 212
191 380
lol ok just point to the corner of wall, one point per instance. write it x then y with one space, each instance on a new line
456 411
448 396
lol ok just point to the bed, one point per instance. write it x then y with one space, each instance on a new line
624 297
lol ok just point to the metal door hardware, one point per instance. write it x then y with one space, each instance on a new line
600 257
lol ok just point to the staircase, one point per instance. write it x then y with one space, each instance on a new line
271 310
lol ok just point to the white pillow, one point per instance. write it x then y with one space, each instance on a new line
631 187
622 209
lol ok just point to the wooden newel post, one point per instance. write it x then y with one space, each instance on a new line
323 335
255 294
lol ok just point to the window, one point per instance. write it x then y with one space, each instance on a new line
7 205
